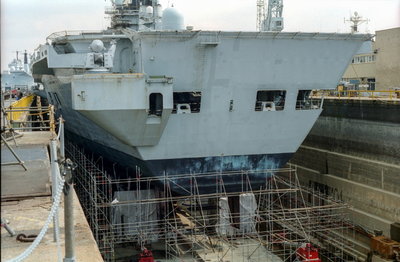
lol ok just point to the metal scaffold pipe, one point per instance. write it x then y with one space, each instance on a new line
20 162
8 228
69 213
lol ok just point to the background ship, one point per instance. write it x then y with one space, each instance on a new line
149 92
17 76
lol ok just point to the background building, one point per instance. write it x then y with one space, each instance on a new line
376 66
361 72
388 59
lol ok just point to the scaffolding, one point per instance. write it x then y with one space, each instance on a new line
268 223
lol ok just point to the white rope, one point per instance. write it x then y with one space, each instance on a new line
54 208
57 232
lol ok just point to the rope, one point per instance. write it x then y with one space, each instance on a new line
54 208
37 114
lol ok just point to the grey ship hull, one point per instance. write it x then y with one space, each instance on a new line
208 167
88 135
228 68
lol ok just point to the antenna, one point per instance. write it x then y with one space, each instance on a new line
17 52
356 20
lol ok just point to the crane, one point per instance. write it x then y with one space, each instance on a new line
269 18
260 14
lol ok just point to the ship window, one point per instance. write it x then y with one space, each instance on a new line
305 101
57 99
270 100
155 104
186 102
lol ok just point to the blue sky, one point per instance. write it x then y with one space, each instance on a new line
26 23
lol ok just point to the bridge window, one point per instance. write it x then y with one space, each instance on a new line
273 100
186 102
155 104
306 102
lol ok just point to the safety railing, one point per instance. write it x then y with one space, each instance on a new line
66 33
309 104
20 116
82 34
29 118
120 11
359 94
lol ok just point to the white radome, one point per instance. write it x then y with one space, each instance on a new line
172 20
97 46
149 10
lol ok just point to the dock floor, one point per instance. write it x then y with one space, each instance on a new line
32 150
26 203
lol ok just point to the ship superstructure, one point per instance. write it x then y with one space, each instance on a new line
180 101
18 76
140 15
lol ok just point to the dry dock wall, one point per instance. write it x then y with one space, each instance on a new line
353 153
360 127
379 175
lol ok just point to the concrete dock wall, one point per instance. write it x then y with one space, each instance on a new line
365 128
377 174
353 154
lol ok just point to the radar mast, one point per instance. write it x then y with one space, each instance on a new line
356 20
139 15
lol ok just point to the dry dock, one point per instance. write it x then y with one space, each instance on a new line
344 200
26 203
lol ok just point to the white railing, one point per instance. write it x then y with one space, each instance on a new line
67 33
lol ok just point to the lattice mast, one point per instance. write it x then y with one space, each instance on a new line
261 11
356 20
273 19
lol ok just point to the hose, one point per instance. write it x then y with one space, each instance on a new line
25 238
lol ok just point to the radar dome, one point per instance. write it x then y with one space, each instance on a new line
149 10
97 46
172 19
